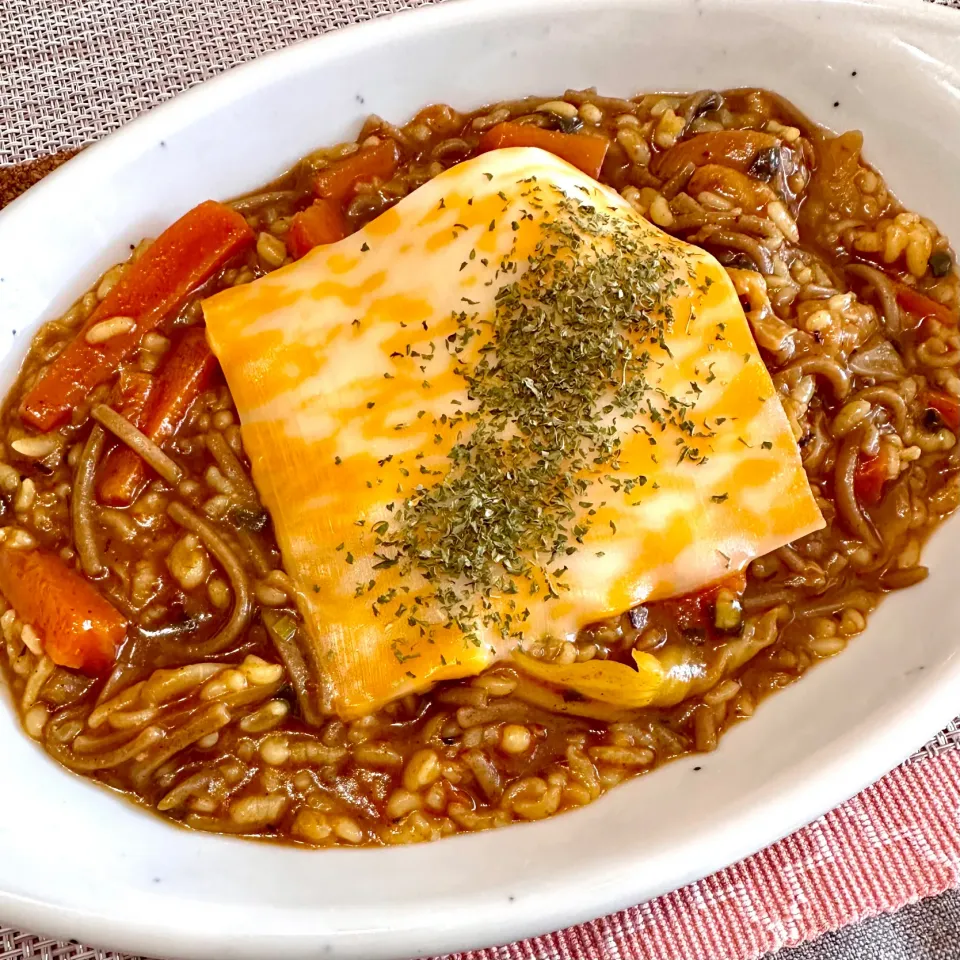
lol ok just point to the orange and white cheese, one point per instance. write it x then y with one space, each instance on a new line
379 380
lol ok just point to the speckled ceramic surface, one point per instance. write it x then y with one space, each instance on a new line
151 889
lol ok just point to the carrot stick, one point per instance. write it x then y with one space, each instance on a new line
693 609
79 629
182 258
130 394
922 306
129 398
585 152
186 374
322 222
868 479
339 179
731 148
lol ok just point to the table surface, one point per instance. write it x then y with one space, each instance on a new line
73 70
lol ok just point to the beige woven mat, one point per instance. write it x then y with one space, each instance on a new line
72 71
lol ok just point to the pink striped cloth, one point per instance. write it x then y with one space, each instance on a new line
893 844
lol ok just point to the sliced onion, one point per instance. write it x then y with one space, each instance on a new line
881 362
846 498
886 294
82 503
282 629
231 467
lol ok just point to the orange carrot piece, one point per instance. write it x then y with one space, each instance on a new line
182 258
868 479
322 222
584 151
339 179
922 306
186 374
731 148
693 609
129 398
79 629
947 407
130 394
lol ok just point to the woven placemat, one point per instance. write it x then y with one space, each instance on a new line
71 71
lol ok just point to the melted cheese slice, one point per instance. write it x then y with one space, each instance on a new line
338 367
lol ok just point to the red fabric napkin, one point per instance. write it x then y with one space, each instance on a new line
893 844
